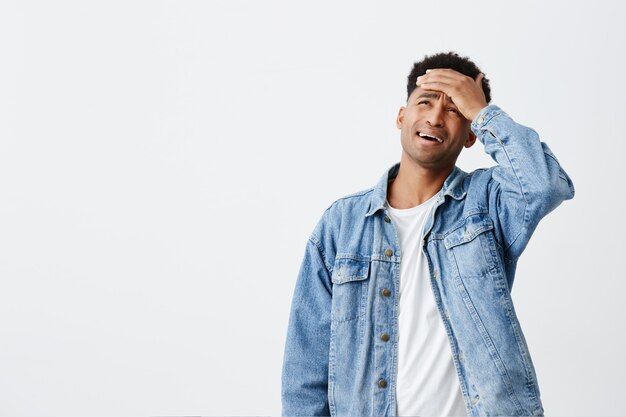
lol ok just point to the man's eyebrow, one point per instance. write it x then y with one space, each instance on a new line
432 96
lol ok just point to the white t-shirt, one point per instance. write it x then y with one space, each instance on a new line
427 383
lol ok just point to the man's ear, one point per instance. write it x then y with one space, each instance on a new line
400 117
471 139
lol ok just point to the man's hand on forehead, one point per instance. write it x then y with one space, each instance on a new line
466 93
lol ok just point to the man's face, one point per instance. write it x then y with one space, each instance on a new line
433 131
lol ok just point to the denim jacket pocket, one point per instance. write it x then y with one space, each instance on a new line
350 280
472 246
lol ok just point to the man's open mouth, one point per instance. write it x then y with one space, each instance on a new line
430 137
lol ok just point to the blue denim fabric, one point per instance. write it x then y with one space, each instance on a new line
335 361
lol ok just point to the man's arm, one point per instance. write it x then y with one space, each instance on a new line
528 181
305 364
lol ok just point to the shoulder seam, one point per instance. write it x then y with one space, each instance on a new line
357 194
318 244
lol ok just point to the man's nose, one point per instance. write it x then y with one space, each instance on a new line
435 116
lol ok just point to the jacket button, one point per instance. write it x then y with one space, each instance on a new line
386 292
387 219
382 383
388 252
384 337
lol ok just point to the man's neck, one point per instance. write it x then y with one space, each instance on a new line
414 184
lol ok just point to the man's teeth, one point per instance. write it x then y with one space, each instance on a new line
430 137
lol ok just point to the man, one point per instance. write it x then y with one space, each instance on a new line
402 304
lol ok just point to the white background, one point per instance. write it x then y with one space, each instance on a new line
163 163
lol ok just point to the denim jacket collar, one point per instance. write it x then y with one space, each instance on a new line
452 186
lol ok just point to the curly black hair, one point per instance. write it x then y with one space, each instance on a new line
446 60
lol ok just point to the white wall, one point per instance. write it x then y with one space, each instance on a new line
162 164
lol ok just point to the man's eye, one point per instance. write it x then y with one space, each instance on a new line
422 102
454 111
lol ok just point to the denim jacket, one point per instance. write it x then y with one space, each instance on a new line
346 294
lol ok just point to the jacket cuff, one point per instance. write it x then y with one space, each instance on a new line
484 116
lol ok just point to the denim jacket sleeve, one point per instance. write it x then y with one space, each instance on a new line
528 182
305 363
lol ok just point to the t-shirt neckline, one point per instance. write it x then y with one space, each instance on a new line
412 210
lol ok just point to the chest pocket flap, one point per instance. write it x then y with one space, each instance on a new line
348 269
467 231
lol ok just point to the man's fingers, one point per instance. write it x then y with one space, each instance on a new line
441 74
448 71
435 83
429 86
436 77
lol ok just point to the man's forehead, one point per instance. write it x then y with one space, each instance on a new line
431 94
